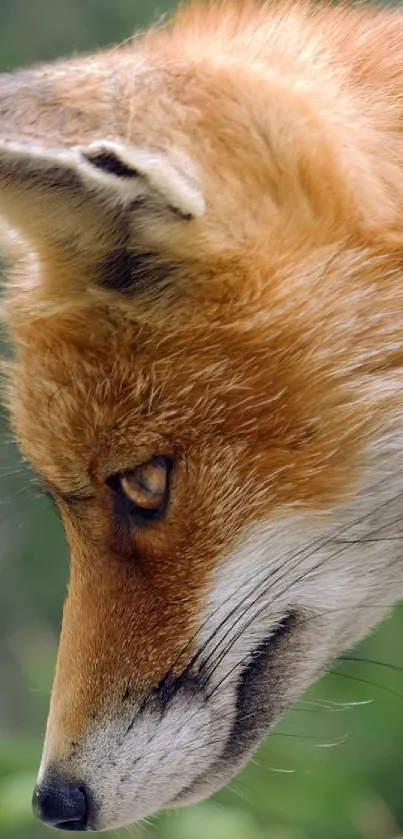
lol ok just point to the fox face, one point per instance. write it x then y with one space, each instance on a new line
205 307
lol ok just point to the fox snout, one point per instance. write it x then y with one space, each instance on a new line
188 733
183 710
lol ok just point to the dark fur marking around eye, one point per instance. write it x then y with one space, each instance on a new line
131 272
110 163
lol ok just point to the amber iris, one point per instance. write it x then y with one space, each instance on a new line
146 486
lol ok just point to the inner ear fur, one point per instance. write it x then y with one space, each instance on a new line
75 196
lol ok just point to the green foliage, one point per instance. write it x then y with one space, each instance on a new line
38 30
331 770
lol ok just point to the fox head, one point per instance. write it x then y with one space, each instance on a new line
206 312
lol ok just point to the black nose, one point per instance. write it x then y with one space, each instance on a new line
62 804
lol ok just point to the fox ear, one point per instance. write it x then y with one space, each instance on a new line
136 174
66 196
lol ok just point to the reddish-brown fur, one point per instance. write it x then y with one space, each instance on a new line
269 361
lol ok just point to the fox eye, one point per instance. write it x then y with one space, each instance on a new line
144 490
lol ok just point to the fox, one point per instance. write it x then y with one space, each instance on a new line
204 301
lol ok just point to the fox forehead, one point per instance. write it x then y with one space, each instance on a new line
93 393
99 396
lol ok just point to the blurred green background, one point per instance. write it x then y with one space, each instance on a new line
333 768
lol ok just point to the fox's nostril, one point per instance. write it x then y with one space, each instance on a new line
62 804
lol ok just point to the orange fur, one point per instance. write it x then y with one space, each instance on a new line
273 354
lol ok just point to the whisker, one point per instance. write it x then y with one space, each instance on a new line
18 492
306 620
10 473
264 607
366 682
311 737
393 667
379 539
316 544
282 771
329 706
279 578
